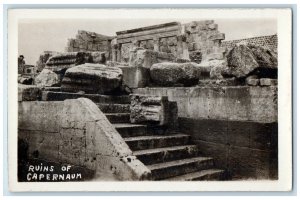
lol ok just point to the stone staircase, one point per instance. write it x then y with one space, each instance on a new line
169 155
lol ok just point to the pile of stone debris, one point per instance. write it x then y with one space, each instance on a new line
86 72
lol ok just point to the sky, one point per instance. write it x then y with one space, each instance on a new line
36 36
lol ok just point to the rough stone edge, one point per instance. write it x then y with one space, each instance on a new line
120 153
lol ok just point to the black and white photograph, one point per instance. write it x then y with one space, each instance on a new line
150 97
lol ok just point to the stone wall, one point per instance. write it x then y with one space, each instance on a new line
198 40
242 103
75 131
269 41
246 149
88 42
237 125
160 37
204 41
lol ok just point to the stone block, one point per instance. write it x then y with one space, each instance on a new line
266 58
218 82
268 82
153 109
165 57
244 59
213 26
215 56
196 56
98 57
197 46
47 78
28 93
90 46
61 61
40 64
26 80
92 78
219 36
76 44
135 77
171 74
173 115
241 61
142 58
252 80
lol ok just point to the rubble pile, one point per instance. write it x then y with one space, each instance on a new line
164 55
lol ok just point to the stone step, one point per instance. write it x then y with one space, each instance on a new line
158 155
132 130
129 130
156 141
118 117
114 108
97 98
207 175
179 167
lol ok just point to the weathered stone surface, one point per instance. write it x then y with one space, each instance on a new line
241 61
179 39
219 82
217 68
86 41
170 74
142 58
29 93
136 73
172 115
92 78
78 133
29 70
149 109
215 56
196 57
267 82
41 63
252 80
26 80
116 64
62 61
266 58
245 59
133 77
47 78
98 98
99 57
240 103
218 36
166 57
182 60
226 139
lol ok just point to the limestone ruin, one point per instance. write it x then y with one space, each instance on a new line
164 102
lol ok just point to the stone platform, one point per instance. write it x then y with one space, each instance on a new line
237 125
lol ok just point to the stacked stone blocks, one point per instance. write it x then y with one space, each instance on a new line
88 42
